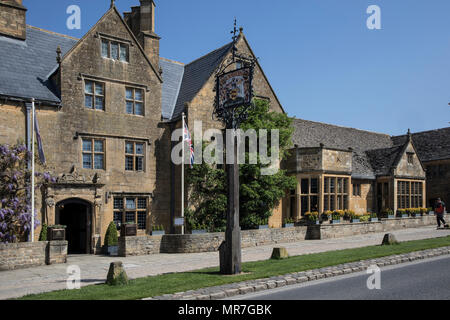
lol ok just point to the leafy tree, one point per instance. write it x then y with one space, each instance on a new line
15 206
259 194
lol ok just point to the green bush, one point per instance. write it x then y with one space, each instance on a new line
111 235
43 234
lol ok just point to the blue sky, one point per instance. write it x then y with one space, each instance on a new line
323 62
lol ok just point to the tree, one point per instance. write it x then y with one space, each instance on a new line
259 194
15 205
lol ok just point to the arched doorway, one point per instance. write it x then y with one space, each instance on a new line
76 215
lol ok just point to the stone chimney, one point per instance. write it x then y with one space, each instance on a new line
141 21
13 19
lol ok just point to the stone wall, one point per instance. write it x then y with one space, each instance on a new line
25 255
210 242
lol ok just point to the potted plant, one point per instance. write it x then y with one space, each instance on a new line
312 217
373 217
430 211
355 217
327 215
288 223
158 230
111 240
56 232
128 229
364 218
402 213
263 224
416 212
199 229
335 217
423 211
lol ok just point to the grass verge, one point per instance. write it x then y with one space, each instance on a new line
180 282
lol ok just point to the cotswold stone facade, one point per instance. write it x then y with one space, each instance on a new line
107 105
341 168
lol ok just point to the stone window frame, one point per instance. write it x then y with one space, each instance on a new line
121 209
340 194
120 44
92 153
409 194
356 189
410 157
135 155
134 101
308 194
94 95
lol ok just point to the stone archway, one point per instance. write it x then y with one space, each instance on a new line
76 215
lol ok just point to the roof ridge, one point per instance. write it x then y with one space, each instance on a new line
343 127
427 131
205 55
52 32
170 60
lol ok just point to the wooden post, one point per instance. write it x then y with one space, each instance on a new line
230 250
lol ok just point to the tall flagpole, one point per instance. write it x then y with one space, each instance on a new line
182 175
32 167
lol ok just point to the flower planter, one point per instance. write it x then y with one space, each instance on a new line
198 231
158 233
113 251
128 230
354 220
404 216
373 219
56 234
266 226
288 225
335 221
431 213
317 222
391 216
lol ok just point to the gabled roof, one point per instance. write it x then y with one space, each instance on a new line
383 160
25 65
196 74
172 77
312 134
430 145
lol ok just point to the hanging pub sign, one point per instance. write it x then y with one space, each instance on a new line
234 88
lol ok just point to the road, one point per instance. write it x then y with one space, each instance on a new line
423 280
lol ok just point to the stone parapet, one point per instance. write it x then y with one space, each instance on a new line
210 242
31 254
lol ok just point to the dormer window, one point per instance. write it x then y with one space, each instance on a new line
115 50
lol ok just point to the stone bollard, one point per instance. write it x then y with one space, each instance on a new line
389 239
279 253
116 274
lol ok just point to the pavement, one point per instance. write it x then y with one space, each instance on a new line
422 280
17 283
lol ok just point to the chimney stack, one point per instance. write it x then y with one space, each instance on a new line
13 19
141 21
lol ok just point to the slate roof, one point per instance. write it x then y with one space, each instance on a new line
430 145
195 76
172 76
25 65
383 160
312 134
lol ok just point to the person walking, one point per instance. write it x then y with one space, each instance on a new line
440 210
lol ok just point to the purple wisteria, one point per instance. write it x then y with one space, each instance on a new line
15 203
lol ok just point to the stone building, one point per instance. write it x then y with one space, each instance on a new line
106 105
340 168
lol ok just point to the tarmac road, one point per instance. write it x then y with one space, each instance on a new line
422 280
